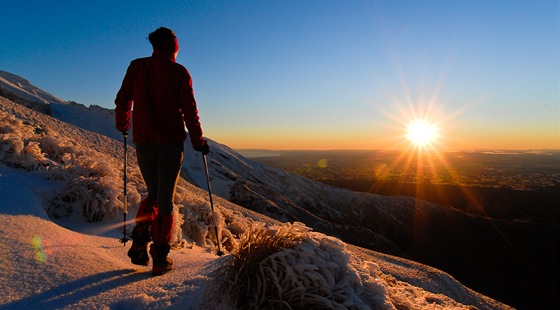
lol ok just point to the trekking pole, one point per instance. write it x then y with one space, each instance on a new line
124 239
219 253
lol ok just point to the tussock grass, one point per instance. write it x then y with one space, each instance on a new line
252 284
289 267
241 282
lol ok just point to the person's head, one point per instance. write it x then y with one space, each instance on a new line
164 39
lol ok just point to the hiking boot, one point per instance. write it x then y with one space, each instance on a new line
161 266
138 252
161 263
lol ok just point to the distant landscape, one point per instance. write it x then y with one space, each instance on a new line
519 192
503 185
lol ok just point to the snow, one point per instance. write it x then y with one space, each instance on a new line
53 256
26 185
45 266
23 89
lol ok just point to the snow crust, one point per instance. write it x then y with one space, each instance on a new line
61 212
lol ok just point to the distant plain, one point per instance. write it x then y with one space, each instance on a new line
500 184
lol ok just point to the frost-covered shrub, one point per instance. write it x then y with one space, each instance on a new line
198 218
11 124
85 193
288 267
32 156
236 284
56 147
16 148
10 147
94 184
177 240
92 181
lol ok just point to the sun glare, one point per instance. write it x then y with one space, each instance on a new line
421 133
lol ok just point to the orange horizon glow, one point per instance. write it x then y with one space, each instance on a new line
395 141
452 132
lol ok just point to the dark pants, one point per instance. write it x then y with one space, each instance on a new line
160 165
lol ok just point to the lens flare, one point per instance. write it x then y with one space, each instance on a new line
40 255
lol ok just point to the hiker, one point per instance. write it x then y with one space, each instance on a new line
162 95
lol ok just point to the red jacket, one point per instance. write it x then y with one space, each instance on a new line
162 94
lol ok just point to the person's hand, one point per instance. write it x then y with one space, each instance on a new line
204 148
123 129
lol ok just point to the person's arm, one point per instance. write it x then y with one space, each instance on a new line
123 102
190 112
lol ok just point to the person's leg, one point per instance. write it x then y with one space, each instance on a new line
148 210
169 167
141 234
147 157
161 234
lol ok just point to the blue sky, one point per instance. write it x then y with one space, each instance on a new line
314 74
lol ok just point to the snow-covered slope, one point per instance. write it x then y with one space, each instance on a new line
93 118
44 162
19 87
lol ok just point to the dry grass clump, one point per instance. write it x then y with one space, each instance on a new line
241 282
247 266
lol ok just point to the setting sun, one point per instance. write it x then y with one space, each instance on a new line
422 133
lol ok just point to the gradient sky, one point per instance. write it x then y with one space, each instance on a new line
314 74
